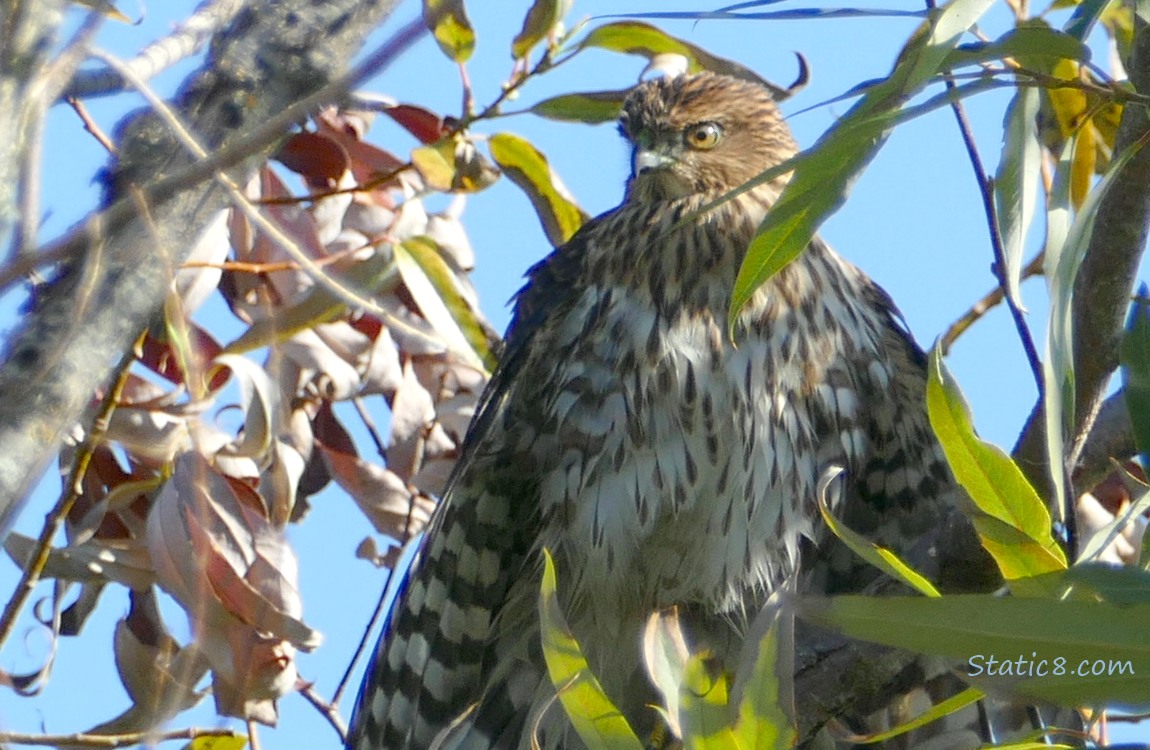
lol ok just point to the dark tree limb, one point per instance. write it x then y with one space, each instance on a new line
271 56
1105 280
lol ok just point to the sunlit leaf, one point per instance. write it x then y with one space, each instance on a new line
880 557
934 713
665 656
597 721
995 484
219 743
1042 648
434 288
762 721
528 168
591 107
824 174
645 40
436 164
1016 184
542 17
703 708
447 21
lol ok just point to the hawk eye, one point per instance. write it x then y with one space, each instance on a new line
705 135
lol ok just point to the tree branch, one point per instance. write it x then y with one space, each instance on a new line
271 56
1105 279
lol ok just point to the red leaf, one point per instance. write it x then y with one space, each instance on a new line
424 124
319 159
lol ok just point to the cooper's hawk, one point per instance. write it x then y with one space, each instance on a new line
660 462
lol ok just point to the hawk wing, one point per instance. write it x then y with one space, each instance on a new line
430 660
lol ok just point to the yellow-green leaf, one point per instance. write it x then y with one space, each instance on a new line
703 708
934 713
597 721
238 742
434 288
321 305
543 16
436 164
1042 649
591 107
645 40
528 168
447 21
994 482
880 557
762 721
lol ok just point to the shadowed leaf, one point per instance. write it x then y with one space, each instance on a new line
591 107
1042 648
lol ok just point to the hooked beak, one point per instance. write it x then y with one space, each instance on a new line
645 159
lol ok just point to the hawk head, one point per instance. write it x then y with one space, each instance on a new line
704 133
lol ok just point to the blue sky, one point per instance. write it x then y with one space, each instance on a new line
914 222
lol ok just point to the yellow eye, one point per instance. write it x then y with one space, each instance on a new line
704 136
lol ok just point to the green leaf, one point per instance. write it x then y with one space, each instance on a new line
824 174
1016 184
1028 43
447 21
936 712
645 40
597 721
1136 371
591 107
703 708
994 482
1068 640
1117 585
880 557
543 16
528 168
434 288
762 722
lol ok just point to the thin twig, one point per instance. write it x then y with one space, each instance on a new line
988 302
363 641
251 212
987 194
114 740
328 710
91 126
72 491
253 735
243 147
372 429
187 39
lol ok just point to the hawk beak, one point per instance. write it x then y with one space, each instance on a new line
645 159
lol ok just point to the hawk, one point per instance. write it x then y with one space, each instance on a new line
661 462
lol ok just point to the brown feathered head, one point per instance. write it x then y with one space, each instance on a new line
700 134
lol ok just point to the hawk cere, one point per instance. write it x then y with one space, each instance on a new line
660 462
